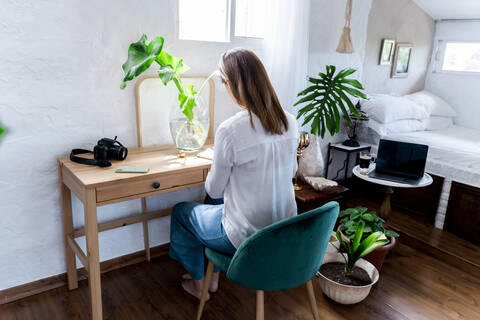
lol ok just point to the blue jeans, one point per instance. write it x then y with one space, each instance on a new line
193 227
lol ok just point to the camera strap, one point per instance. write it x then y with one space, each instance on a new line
92 162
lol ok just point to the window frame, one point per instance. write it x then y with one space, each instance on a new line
440 58
238 40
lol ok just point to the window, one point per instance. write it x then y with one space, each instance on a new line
250 18
204 20
210 20
461 57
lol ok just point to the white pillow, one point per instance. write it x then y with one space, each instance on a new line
437 123
385 108
435 105
399 126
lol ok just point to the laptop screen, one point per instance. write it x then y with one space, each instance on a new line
401 158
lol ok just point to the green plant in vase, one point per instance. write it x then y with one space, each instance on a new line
188 133
327 97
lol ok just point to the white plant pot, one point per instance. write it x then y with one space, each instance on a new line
345 294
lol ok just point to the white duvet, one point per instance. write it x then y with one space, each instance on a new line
454 153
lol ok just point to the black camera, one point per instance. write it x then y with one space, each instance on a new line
109 149
106 149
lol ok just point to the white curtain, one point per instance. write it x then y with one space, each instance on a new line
286 47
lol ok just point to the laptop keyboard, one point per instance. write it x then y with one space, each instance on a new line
388 177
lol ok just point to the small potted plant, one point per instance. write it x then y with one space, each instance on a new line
353 218
345 277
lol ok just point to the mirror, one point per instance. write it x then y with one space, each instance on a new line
154 103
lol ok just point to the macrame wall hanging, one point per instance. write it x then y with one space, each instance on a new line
345 45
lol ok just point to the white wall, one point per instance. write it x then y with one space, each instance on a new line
459 90
404 21
326 25
61 71
60 89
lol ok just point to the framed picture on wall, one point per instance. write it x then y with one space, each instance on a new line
386 54
401 60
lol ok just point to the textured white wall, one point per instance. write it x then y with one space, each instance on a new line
326 25
404 21
60 89
61 70
458 89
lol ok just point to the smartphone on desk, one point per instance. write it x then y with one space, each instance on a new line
130 169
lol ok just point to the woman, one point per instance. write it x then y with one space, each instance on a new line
253 165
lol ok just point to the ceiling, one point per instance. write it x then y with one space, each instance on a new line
451 9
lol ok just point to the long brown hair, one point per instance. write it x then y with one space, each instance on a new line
248 81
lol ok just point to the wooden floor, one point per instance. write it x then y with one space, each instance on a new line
425 237
412 285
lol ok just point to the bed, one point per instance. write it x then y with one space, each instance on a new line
454 153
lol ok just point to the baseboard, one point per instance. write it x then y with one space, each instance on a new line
42 285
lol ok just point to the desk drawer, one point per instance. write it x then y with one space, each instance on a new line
149 185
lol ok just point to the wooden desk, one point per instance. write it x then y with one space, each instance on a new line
96 186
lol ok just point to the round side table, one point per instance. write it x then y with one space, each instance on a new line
385 208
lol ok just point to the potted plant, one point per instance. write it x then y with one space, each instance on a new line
189 120
327 97
353 218
345 277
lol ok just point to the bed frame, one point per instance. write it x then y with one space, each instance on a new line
463 210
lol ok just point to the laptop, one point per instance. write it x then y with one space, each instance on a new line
401 162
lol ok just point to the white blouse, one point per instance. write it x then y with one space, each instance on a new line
252 170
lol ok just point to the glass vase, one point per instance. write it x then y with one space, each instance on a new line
190 135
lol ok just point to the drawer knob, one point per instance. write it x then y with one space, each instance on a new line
156 185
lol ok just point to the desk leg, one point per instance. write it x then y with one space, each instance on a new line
146 240
66 199
385 208
91 230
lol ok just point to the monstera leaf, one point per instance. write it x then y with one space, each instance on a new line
326 97
140 57
2 131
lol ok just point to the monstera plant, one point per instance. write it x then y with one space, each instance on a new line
327 97
189 133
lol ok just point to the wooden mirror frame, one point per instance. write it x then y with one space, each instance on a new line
211 103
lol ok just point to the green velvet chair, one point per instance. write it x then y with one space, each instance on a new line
281 256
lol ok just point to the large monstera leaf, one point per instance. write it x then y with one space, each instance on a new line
2 130
326 97
140 57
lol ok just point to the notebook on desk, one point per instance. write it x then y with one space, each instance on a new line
206 154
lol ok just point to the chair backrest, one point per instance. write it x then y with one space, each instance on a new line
285 254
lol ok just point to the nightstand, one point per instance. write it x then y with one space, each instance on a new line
346 163
308 199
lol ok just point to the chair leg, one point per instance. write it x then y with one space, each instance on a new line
260 309
311 298
206 285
